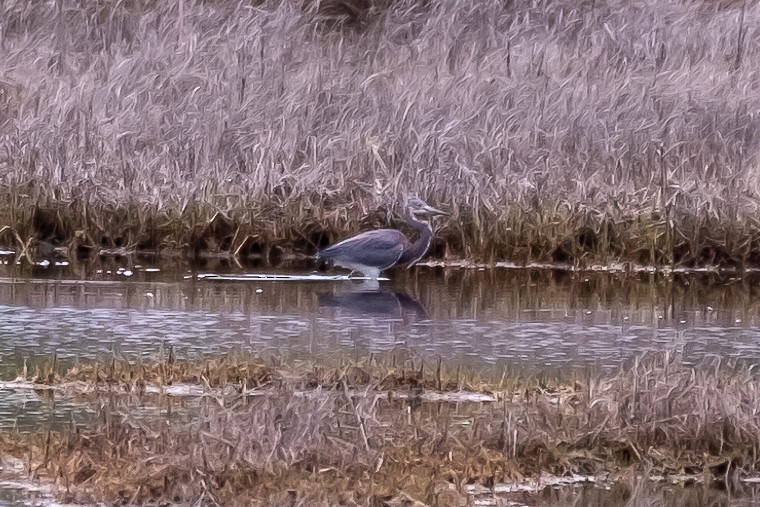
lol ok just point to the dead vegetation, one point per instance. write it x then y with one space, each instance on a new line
552 130
363 434
396 371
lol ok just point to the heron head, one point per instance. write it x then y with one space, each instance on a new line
419 208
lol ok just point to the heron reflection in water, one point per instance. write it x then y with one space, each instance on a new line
374 251
377 303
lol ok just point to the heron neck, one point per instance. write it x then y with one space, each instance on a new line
419 248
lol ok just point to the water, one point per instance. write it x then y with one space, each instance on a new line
529 319
533 319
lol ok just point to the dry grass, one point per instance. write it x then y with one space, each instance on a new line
395 371
305 438
550 129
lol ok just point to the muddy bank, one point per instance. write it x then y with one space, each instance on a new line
247 430
521 238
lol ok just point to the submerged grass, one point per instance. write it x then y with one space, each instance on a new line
551 130
300 434
394 371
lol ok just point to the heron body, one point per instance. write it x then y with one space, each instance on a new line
372 252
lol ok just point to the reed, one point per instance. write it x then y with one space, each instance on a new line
551 130
321 435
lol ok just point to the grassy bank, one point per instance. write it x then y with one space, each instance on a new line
385 428
551 130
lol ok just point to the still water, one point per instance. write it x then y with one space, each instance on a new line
531 319
534 319
524 319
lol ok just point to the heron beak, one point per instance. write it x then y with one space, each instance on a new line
433 211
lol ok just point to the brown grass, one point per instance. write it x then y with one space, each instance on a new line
395 370
304 437
551 130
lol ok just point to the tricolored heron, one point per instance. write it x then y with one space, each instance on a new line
374 251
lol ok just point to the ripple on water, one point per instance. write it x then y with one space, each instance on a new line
508 316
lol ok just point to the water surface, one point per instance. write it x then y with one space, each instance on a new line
532 319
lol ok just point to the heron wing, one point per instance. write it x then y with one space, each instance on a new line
381 248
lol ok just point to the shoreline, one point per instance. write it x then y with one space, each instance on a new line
9 254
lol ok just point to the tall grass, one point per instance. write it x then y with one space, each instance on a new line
550 129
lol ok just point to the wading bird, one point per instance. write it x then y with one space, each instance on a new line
374 251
